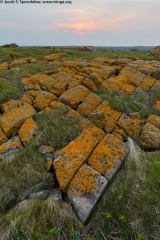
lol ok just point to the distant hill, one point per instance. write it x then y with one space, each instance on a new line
140 48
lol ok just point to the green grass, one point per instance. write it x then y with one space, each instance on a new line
136 103
9 90
73 53
57 129
129 209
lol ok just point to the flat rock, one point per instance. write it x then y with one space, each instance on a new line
131 126
10 148
10 105
74 96
43 100
89 105
28 130
108 155
3 137
85 190
155 120
12 121
150 137
70 158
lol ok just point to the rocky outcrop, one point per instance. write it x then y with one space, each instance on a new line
12 121
11 45
86 165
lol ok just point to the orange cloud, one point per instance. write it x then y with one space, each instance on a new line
80 28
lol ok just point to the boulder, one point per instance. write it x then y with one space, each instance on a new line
43 100
157 105
89 105
131 126
18 62
85 190
74 96
3 66
11 45
156 49
3 137
53 57
12 121
108 156
10 105
10 148
150 137
155 120
68 160
28 130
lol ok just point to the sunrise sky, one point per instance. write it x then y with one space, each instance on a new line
84 22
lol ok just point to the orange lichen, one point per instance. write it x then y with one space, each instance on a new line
3 137
10 105
27 98
28 130
89 105
108 151
74 96
3 66
155 120
12 121
43 100
84 181
69 159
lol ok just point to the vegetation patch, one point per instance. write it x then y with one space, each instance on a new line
56 128
126 103
9 90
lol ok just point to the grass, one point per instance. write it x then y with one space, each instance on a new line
73 53
135 103
57 129
9 90
128 210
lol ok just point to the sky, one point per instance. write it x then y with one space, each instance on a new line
84 22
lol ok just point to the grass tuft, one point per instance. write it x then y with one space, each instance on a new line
132 103
9 90
57 129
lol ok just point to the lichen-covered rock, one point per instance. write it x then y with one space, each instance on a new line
27 98
56 105
69 159
89 105
17 62
43 100
131 126
10 148
3 137
85 190
110 124
74 96
10 105
90 85
157 105
28 130
155 120
38 81
3 66
109 153
12 121
128 88
53 57
150 137
137 78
